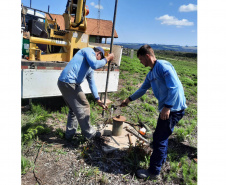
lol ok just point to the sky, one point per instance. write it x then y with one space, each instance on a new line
141 21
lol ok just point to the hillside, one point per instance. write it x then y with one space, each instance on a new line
189 49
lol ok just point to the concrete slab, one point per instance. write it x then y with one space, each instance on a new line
117 142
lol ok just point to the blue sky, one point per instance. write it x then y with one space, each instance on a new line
141 21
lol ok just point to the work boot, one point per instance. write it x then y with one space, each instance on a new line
145 174
99 133
68 138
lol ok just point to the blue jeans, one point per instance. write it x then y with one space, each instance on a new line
160 140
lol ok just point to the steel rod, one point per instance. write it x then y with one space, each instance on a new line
112 38
38 40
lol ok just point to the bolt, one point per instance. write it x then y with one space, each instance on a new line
118 116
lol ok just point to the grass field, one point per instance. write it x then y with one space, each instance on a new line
182 151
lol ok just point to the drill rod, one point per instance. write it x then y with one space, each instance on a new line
112 38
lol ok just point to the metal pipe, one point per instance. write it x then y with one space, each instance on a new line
30 3
117 128
112 38
48 41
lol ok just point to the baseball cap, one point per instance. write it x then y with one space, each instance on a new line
101 49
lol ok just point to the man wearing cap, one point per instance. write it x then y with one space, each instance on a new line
81 66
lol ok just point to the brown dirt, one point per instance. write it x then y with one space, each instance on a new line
66 163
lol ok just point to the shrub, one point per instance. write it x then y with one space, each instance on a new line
30 131
60 133
35 125
38 110
65 110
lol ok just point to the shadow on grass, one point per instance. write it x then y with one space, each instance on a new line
124 162
181 149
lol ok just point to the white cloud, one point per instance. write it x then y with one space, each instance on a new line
188 8
193 31
96 6
171 20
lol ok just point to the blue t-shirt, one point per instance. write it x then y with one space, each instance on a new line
82 66
166 86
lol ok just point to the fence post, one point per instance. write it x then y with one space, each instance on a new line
131 53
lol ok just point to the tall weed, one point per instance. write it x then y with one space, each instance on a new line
25 165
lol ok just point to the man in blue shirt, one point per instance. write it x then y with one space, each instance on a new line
81 67
168 89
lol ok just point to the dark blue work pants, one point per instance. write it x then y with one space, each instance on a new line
160 140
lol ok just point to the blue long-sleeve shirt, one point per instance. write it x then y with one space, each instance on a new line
166 86
82 66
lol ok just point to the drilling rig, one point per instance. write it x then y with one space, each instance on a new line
61 45
50 48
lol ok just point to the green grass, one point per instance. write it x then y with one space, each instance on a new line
149 107
60 133
64 110
87 172
25 165
187 168
132 74
144 97
33 123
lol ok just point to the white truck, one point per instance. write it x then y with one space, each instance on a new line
39 79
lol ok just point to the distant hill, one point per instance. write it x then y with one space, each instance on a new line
189 49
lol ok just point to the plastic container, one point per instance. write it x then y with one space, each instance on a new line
25 46
143 131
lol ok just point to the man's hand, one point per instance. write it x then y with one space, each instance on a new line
125 102
110 57
105 107
164 115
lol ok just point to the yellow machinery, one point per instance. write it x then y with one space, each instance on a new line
70 40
